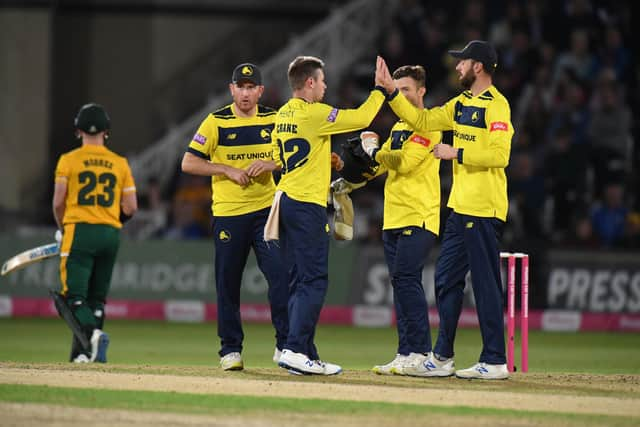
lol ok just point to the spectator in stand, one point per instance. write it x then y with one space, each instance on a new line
614 54
190 209
581 236
393 47
609 219
526 190
609 133
571 111
579 60
152 216
565 181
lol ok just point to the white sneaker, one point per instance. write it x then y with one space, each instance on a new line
430 367
232 362
411 359
81 358
329 368
387 369
276 355
99 344
299 362
485 371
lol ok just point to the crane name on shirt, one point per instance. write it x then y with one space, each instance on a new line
287 128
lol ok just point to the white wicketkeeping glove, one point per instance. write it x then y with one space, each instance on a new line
370 142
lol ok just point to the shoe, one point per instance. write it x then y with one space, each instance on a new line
485 371
387 369
276 355
81 358
99 343
328 368
431 367
232 362
411 359
299 362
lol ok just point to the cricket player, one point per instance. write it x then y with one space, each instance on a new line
94 194
233 147
480 118
411 223
301 143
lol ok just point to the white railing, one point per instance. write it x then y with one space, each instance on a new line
340 40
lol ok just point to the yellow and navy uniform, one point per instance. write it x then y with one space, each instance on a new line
96 177
301 143
412 187
225 138
482 132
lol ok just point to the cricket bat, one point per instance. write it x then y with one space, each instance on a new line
29 257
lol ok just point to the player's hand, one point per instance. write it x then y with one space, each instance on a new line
259 167
444 152
383 76
336 162
239 176
58 236
370 142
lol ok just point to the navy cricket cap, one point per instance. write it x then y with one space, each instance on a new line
247 72
480 51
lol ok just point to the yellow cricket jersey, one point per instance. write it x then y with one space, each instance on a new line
412 187
96 177
227 139
301 143
482 129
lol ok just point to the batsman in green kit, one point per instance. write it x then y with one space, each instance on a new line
94 194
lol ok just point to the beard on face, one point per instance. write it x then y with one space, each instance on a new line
468 79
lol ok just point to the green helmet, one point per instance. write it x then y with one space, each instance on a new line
92 119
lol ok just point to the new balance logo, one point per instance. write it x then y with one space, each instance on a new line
308 362
429 365
482 370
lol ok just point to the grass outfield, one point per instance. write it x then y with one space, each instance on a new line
159 370
163 343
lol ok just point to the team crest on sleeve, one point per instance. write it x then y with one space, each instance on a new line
499 126
333 115
200 139
224 236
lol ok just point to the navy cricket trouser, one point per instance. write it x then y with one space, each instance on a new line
304 234
406 250
234 236
471 243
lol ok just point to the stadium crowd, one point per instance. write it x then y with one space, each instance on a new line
568 71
